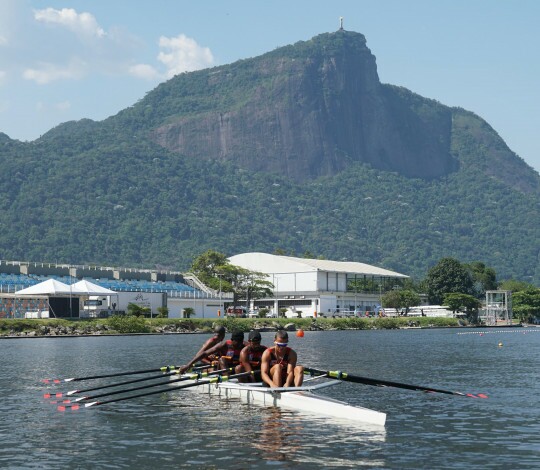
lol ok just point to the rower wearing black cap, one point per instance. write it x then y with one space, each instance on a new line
228 352
251 355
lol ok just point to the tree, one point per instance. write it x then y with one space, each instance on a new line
189 312
484 278
208 265
409 299
526 304
246 284
459 302
392 299
211 267
137 311
400 299
215 270
515 286
448 276
163 312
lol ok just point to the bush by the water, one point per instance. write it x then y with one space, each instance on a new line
128 324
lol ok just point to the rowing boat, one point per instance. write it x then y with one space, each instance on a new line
296 398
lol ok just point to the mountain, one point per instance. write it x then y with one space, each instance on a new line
300 149
309 110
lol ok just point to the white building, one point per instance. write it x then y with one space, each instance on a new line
318 286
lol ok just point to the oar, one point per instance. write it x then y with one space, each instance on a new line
126 390
118 384
218 379
118 374
385 383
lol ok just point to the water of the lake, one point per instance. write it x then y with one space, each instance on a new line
181 429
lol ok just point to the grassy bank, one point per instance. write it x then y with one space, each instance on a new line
128 325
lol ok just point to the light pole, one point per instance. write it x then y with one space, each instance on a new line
220 296
355 294
277 296
70 291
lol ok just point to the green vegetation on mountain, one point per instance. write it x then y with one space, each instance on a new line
301 149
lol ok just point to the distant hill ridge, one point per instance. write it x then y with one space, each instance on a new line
299 149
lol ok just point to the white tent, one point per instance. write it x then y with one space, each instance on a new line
48 287
89 288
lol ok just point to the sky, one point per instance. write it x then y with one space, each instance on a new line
68 60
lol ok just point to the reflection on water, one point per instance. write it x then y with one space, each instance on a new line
279 439
185 429
288 436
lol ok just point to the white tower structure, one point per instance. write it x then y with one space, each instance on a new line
498 307
341 23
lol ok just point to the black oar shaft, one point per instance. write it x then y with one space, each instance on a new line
169 389
118 384
380 383
157 384
131 372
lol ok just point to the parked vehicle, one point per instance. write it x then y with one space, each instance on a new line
239 312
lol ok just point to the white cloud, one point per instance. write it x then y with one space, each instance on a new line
3 40
63 105
144 71
50 72
2 76
184 55
80 23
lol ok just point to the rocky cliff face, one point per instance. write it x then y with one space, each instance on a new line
310 110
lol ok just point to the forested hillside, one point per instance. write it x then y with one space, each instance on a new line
126 191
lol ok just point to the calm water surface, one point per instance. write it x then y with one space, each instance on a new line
181 429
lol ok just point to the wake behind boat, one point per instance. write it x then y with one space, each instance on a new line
301 399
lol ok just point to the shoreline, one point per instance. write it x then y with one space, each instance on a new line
137 326
132 326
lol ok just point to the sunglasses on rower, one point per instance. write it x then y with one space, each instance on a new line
282 345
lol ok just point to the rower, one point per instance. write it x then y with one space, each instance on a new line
218 337
228 352
251 355
278 364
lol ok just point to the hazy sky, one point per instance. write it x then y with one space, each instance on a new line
67 60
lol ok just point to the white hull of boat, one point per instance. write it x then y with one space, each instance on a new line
298 398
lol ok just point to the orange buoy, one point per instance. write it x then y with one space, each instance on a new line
300 333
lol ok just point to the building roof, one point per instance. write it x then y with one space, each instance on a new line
268 264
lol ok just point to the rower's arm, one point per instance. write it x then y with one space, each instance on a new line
204 347
244 362
290 368
265 368
200 355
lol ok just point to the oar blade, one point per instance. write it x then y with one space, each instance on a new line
68 407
